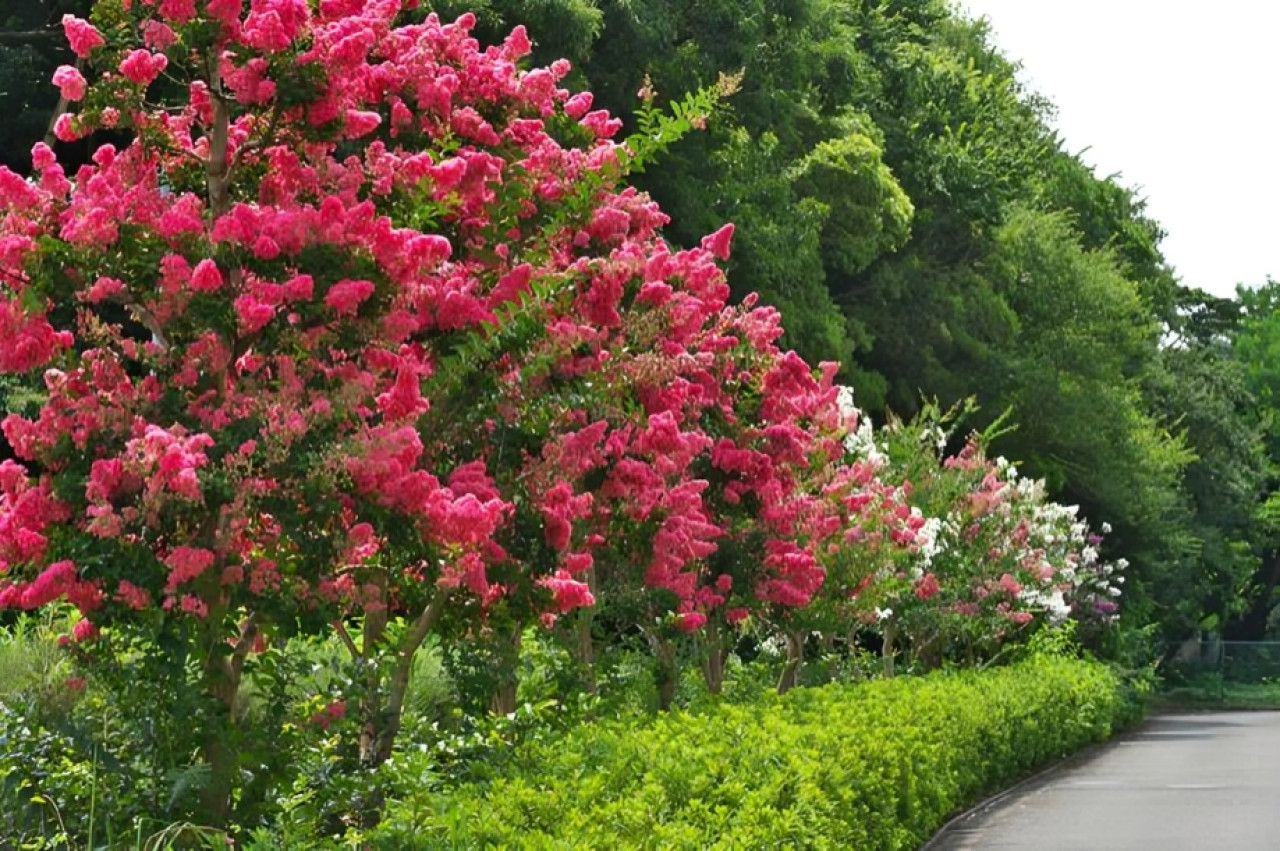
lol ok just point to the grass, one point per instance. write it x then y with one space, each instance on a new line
32 665
1213 692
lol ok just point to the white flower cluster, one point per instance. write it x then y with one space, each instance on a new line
929 539
936 436
860 439
1064 543
1052 601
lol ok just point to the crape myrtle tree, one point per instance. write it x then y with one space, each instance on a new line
998 560
360 334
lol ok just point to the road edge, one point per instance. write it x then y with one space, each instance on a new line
1070 760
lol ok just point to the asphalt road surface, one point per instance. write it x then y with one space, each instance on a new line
1208 782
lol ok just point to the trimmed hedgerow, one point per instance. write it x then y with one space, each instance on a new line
872 765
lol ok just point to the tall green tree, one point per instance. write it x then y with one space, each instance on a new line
1251 327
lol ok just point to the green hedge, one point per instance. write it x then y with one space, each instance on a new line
874 765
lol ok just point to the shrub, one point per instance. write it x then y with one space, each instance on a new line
872 765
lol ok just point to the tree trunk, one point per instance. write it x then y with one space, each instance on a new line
373 635
795 658
887 649
713 656
585 646
218 166
667 673
668 677
381 721
503 699
221 679
218 751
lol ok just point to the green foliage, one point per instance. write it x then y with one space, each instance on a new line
33 668
878 765
866 212
657 129
1107 215
1080 336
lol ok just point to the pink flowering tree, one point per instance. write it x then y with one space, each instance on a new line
827 525
878 532
736 496
360 332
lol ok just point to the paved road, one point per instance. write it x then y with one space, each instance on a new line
1202 782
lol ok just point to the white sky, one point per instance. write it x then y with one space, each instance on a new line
1180 98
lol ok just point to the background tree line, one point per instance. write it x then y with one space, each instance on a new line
907 205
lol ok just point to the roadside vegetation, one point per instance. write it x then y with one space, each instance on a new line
755 430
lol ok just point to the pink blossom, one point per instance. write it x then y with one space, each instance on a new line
159 36
27 341
1010 584
104 288
178 11
404 399
194 605
186 563
361 123
926 586
142 66
299 288
560 507
133 596
266 32
205 277
66 129
578 105
52 584
567 592
718 242
70 81
578 563
690 621
106 477
81 35
42 157
227 11
599 123
346 295
473 478
254 315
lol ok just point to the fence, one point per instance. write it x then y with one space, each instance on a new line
1232 661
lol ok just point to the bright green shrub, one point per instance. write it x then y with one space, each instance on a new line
872 765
